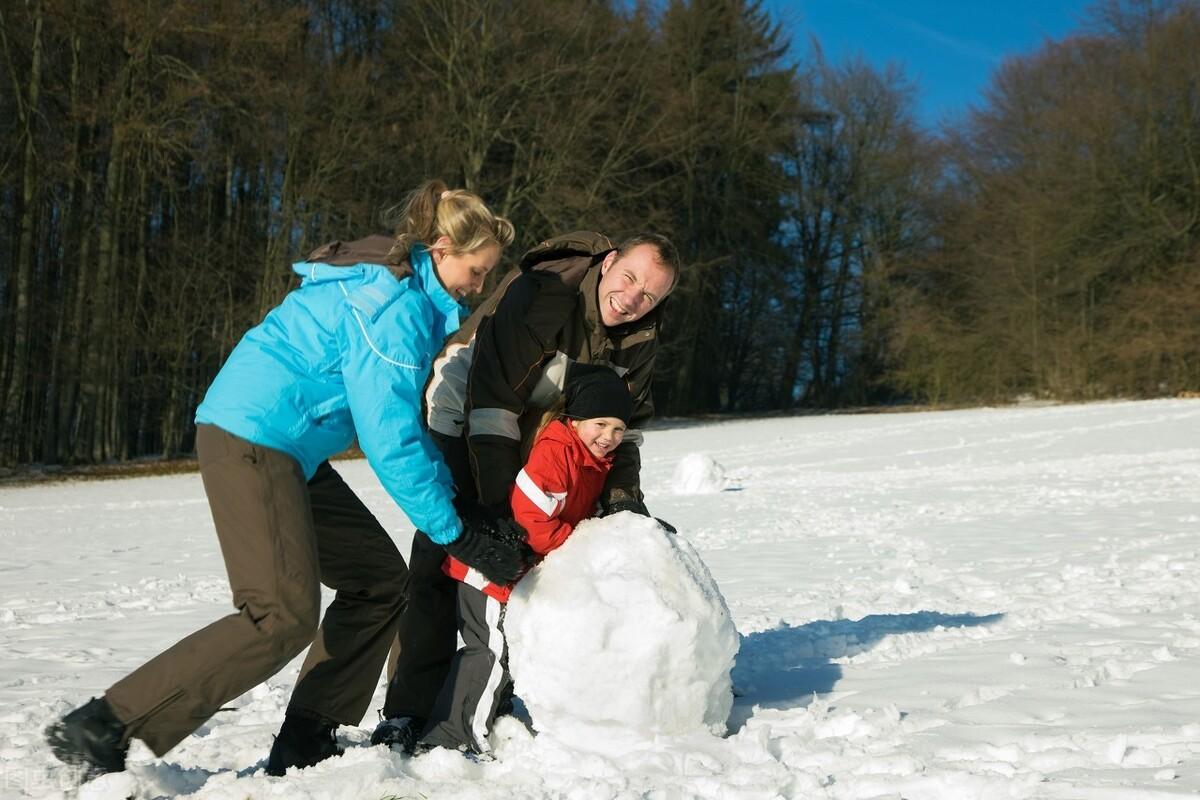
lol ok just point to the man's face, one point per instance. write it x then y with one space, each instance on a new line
631 286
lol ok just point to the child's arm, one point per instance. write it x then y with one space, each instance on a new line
539 496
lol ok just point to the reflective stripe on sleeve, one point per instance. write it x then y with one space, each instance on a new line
494 422
550 503
475 578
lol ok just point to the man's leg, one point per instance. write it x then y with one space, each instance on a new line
261 512
428 631
427 634
466 707
359 559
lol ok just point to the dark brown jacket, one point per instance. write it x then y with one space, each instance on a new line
507 363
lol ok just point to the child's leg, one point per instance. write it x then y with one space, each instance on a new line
466 707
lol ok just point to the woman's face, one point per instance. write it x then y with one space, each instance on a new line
463 274
600 435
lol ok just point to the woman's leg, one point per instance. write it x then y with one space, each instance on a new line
362 563
261 512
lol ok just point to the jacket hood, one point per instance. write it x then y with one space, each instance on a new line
419 267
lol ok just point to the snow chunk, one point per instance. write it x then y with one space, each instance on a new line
112 786
1117 749
698 473
619 636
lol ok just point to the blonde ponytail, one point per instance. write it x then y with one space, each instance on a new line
432 211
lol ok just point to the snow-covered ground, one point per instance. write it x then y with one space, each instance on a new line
973 604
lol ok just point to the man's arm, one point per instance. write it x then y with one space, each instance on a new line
623 484
510 348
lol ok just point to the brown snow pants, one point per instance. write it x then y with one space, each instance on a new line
281 537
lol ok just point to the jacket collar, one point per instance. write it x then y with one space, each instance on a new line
589 287
425 276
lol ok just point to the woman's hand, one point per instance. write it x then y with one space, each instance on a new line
495 547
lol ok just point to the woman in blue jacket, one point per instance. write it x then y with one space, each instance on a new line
344 356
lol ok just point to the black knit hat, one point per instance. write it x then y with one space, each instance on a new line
594 391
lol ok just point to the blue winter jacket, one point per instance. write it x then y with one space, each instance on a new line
346 354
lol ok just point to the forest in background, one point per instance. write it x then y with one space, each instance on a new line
162 162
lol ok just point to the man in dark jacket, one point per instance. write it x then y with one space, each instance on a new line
576 299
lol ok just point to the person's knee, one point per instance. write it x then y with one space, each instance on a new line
383 584
292 624
391 592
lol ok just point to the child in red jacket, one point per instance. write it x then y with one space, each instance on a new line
558 488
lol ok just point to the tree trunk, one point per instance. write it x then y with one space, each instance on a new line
268 288
16 438
95 391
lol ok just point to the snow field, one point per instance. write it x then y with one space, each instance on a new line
994 603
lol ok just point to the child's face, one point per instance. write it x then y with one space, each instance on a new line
600 435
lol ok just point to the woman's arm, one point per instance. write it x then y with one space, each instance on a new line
384 369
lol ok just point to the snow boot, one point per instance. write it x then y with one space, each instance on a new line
90 737
398 733
303 740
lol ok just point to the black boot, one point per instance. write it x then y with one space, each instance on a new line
399 733
303 740
90 737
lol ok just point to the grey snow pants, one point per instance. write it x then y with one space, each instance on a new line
478 683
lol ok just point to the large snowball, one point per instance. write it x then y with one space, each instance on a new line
621 635
698 473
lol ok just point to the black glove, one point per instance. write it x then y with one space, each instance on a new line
509 530
628 504
637 507
491 546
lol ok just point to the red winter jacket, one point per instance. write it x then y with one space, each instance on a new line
557 489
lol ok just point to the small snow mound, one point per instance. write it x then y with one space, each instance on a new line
698 473
112 786
619 636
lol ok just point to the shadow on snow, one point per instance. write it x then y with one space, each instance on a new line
785 666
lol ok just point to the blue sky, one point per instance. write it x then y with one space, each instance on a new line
948 48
